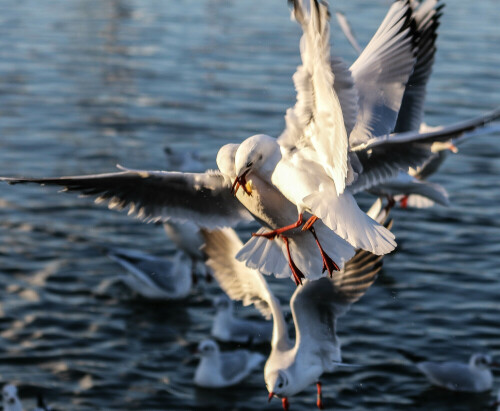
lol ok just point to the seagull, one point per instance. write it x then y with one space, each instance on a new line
218 370
475 376
153 277
228 328
208 200
409 186
186 160
11 401
291 367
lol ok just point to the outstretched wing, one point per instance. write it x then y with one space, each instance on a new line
383 158
316 120
426 15
204 198
381 73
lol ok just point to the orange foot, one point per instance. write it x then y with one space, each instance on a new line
328 264
297 274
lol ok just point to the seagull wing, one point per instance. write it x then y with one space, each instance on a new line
427 16
381 73
317 304
383 158
316 120
204 198
240 282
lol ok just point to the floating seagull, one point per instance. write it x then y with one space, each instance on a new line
218 370
154 277
315 307
206 198
11 401
226 327
186 160
475 376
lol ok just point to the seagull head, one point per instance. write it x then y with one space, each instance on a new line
225 160
254 154
207 348
10 400
482 362
277 384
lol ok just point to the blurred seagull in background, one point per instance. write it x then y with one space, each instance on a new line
153 277
226 327
475 376
223 369
315 308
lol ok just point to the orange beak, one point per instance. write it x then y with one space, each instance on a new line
240 181
270 397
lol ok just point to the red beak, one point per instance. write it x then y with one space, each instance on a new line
270 397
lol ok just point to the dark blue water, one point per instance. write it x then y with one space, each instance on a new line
87 84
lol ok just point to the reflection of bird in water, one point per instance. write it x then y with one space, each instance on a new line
223 369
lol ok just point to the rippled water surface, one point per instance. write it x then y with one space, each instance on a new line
87 84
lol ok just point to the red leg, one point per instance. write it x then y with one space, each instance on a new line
270 235
328 264
285 403
319 399
297 274
309 223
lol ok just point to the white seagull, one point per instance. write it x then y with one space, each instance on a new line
291 367
475 376
409 186
223 369
153 277
228 328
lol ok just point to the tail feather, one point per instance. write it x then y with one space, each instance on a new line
343 215
266 256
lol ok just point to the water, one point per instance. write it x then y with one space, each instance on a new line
85 85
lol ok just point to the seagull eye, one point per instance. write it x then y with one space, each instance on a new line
280 385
